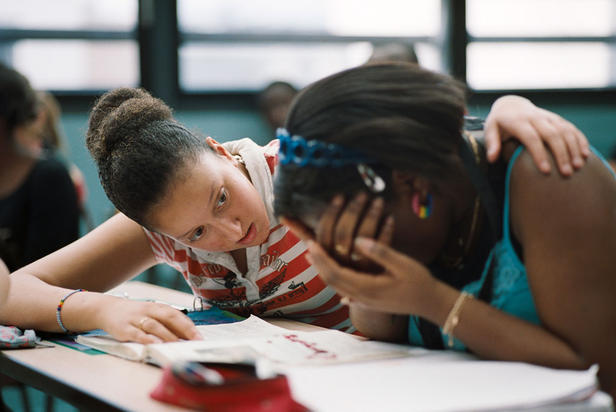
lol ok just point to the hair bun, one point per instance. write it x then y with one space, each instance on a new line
117 115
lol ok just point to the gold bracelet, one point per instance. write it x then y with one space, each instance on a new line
454 317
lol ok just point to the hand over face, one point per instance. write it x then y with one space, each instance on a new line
342 222
404 285
146 322
351 245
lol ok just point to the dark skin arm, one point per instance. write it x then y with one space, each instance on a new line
567 228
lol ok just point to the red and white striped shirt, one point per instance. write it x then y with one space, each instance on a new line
279 281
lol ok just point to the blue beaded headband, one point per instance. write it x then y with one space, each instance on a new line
301 152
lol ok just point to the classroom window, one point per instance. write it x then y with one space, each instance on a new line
541 44
71 45
238 45
115 15
77 64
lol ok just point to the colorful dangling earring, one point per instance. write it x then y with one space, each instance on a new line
422 210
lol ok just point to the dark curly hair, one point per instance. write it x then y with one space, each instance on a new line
403 116
139 149
18 104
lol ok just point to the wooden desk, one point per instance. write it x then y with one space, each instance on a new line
95 382
104 382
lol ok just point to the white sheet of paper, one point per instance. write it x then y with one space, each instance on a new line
434 383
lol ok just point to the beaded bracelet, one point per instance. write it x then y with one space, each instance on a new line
59 308
454 317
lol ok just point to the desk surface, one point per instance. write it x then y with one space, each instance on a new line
99 381
104 382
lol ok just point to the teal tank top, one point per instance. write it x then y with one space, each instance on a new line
510 289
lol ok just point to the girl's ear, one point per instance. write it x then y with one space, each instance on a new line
405 182
218 148
414 190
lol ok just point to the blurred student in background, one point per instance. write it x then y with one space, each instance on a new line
275 99
38 203
274 102
54 143
398 52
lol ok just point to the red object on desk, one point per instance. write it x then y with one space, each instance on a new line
239 390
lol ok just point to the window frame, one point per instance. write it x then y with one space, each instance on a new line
610 40
9 36
159 38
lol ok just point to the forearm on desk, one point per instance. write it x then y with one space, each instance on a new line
486 331
493 334
379 325
32 304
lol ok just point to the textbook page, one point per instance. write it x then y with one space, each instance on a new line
213 335
251 327
253 340
127 350
283 348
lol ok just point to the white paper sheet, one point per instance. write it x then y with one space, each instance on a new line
436 383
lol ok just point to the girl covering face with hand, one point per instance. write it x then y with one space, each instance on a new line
202 207
433 246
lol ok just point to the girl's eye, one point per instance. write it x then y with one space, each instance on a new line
222 199
196 235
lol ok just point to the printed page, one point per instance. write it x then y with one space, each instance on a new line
252 327
324 347
253 340
228 342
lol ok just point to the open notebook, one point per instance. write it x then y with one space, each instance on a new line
251 340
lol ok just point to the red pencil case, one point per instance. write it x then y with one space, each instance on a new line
219 387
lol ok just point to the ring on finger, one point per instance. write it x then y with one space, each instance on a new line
341 249
355 257
142 322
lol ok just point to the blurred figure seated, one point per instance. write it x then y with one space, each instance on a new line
54 142
397 52
274 102
39 212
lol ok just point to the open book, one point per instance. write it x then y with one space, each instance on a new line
252 340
